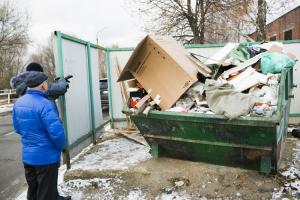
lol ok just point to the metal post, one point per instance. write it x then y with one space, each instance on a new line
8 98
109 88
62 100
90 78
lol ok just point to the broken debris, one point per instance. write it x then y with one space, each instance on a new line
156 61
239 80
223 99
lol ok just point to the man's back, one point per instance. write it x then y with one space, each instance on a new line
36 120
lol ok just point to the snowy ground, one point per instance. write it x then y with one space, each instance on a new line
6 108
290 176
113 154
120 169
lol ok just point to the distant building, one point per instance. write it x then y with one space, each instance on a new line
285 27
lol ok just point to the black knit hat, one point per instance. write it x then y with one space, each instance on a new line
35 79
34 67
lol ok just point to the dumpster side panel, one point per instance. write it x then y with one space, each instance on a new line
212 132
286 91
232 145
221 155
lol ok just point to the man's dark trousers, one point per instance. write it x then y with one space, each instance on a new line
42 181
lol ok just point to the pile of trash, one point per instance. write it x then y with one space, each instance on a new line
238 80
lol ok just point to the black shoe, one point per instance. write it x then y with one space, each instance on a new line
63 198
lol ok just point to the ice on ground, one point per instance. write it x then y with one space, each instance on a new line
6 108
106 189
76 188
292 177
117 153
134 195
291 173
174 196
78 184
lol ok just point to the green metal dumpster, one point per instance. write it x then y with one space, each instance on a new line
247 142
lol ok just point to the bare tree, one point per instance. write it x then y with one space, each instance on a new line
13 41
261 19
191 21
45 57
210 21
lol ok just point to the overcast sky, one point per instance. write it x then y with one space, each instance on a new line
110 21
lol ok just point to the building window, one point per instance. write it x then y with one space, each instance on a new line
288 35
273 38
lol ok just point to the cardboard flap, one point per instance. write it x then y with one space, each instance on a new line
126 74
181 56
169 47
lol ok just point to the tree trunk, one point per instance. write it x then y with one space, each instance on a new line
261 20
202 22
202 30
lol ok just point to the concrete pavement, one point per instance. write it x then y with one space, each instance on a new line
12 180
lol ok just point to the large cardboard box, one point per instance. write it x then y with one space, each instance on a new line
164 67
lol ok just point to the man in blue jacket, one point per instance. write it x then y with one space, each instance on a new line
36 120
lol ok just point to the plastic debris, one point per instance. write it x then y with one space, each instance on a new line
196 92
266 94
275 63
264 110
254 50
220 56
239 54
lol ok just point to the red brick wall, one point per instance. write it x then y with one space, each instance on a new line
291 20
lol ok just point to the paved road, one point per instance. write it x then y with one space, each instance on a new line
12 179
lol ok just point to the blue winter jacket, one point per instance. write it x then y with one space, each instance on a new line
36 120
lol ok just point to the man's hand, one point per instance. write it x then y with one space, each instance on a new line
68 77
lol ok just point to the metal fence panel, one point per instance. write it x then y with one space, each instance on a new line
295 102
120 57
77 97
96 87
81 106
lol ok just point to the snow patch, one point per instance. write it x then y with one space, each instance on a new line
117 153
76 188
292 177
134 195
174 196
6 108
